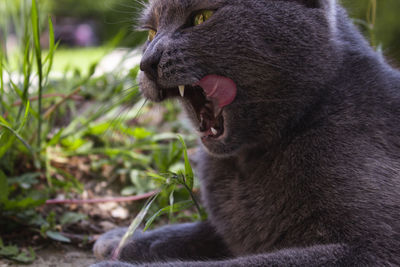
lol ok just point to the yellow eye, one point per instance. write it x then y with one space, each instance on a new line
202 16
152 34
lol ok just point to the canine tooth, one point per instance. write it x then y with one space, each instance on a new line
214 131
182 90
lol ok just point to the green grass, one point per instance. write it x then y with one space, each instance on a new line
77 58
71 59
42 122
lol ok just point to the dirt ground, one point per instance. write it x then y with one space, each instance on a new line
60 256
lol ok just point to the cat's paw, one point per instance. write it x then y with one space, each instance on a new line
136 249
107 243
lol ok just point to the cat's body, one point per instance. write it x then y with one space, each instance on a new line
305 170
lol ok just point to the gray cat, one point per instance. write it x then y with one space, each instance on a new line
299 121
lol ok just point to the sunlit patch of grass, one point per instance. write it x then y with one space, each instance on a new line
77 58
67 59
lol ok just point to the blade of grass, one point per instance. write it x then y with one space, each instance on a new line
18 91
6 141
157 177
171 202
200 211
27 68
52 47
2 120
38 52
189 176
134 225
25 118
171 208
17 136
371 20
1 81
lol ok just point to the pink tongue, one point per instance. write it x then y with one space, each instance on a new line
219 88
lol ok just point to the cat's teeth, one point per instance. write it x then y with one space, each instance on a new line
182 90
214 131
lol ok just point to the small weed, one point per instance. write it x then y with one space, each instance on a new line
168 183
14 253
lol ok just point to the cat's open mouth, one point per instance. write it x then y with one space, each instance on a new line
208 97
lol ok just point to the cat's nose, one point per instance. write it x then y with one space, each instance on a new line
149 63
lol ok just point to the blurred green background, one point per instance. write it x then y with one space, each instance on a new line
386 31
98 22
111 16
108 16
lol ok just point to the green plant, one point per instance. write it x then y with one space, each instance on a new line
14 253
16 125
30 101
168 183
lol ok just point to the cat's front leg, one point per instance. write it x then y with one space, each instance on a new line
190 241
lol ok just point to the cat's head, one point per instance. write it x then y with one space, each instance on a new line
246 66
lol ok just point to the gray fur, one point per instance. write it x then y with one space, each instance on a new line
308 170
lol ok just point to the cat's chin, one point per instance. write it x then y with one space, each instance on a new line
221 147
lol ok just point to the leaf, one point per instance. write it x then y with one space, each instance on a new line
35 27
8 251
113 43
52 46
26 180
3 187
39 63
56 138
157 177
134 225
25 118
23 204
141 184
57 236
174 208
99 129
141 133
6 141
73 143
27 67
24 257
1 76
72 217
92 69
128 191
13 253
20 94
18 137
2 120
189 176
171 201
